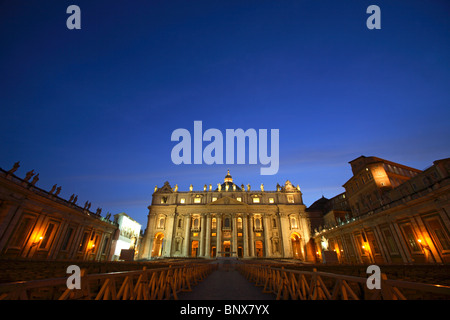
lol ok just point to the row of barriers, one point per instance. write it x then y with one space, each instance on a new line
145 284
313 285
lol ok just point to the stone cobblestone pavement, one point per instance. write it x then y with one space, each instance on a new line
226 283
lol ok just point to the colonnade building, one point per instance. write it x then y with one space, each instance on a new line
227 221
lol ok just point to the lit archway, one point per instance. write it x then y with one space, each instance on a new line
158 245
194 248
296 246
259 249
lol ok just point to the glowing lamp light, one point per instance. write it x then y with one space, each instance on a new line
419 240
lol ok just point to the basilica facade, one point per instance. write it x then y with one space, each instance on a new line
227 220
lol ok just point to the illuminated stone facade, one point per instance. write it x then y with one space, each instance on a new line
227 221
393 214
38 224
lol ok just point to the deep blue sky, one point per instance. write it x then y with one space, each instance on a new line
93 109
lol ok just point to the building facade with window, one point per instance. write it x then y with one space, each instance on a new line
395 214
227 221
38 224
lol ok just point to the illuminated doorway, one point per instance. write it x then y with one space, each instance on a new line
296 247
259 249
240 252
213 252
194 248
158 245
227 248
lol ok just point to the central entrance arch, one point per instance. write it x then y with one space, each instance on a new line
227 248
157 245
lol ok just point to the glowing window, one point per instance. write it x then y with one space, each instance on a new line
182 200
197 200
214 199
271 200
255 200
239 199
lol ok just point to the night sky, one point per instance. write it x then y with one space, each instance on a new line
93 110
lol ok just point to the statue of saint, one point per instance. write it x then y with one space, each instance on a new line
262 187
29 175
35 179
176 188
219 186
191 188
248 187
15 167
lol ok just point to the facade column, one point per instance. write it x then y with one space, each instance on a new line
285 236
202 235
219 234
245 234
267 242
168 234
208 237
187 231
397 234
251 239
234 247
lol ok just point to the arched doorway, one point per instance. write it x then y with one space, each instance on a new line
296 246
157 245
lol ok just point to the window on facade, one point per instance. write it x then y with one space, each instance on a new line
105 245
258 224
410 237
161 223
438 233
271 200
274 223
197 200
47 236
22 232
239 223
214 199
196 223
239 199
179 223
256 200
226 223
213 223
294 222
83 243
290 199
164 200
67 239
182 200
